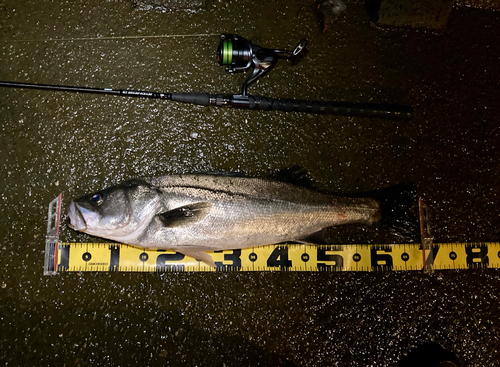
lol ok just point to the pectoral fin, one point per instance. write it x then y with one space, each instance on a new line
185 216
199 255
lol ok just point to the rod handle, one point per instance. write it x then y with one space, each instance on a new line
386 111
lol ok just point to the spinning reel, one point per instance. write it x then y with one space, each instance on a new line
241 55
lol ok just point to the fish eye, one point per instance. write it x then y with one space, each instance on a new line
97 198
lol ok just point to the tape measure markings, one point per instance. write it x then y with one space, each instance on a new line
281 257
62 256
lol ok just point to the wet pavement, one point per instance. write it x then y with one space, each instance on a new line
55 142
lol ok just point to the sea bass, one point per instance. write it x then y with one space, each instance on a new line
195 213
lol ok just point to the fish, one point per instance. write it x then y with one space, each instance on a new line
195 213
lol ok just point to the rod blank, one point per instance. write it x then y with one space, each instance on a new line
260 103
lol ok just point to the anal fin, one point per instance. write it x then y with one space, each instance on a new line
199 255
317 238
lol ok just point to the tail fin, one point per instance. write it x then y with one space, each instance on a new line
396 204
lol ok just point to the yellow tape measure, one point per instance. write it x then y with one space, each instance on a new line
82 257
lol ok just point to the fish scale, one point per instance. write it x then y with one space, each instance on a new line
427 256
195 213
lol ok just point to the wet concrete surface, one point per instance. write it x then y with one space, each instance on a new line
76 143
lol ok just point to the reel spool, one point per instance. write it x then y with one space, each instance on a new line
241 55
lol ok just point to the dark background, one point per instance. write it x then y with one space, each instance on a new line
75 143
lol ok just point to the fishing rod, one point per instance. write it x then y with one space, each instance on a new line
241 55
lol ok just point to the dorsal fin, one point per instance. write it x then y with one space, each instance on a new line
296 175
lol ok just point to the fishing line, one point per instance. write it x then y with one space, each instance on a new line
111 38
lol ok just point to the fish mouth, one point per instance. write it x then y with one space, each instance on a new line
76 220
